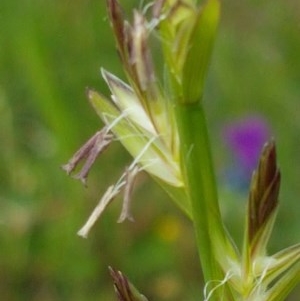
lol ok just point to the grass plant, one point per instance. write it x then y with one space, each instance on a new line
161 121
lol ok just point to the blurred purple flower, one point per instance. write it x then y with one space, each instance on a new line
245 139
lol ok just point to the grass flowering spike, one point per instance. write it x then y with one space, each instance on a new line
158 159
262 275
263 199
124 289
161 122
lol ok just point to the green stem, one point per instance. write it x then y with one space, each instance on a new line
201 185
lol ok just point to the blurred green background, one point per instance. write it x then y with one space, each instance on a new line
50 51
